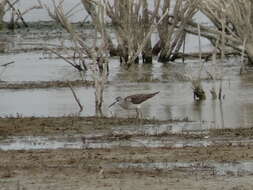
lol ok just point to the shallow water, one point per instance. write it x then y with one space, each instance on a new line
174 101
97 141
29 67
42 14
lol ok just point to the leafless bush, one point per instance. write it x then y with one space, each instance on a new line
172 29
133 24
96 52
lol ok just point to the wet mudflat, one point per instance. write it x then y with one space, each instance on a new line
182 144
111 153
219 167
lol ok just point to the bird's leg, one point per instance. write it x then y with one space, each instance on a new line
137 113
141 115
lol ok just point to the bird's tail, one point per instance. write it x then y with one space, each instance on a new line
155 93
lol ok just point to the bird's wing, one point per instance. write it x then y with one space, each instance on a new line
139 98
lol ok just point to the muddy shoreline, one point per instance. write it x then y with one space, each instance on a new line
10 126
102 168
20 126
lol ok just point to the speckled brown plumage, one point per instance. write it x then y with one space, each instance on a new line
139 98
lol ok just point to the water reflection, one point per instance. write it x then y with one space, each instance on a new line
173 102
89 142
216 168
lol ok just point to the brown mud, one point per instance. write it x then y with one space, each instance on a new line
99 168
34 126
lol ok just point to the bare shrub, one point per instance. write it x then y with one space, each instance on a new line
96 52
234 20
172 29
133 24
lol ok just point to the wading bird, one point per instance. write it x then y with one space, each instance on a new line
133 102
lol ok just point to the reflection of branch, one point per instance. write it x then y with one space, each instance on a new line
222 114
76 99
7 64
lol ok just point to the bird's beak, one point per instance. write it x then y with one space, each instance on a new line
112 104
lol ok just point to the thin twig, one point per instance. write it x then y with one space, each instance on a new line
17 12
200 54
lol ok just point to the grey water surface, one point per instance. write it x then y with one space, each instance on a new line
175 101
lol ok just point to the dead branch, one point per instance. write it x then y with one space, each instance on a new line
172 29
97 53
131 21
233 19
146 38
90 7
21 14
17 12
